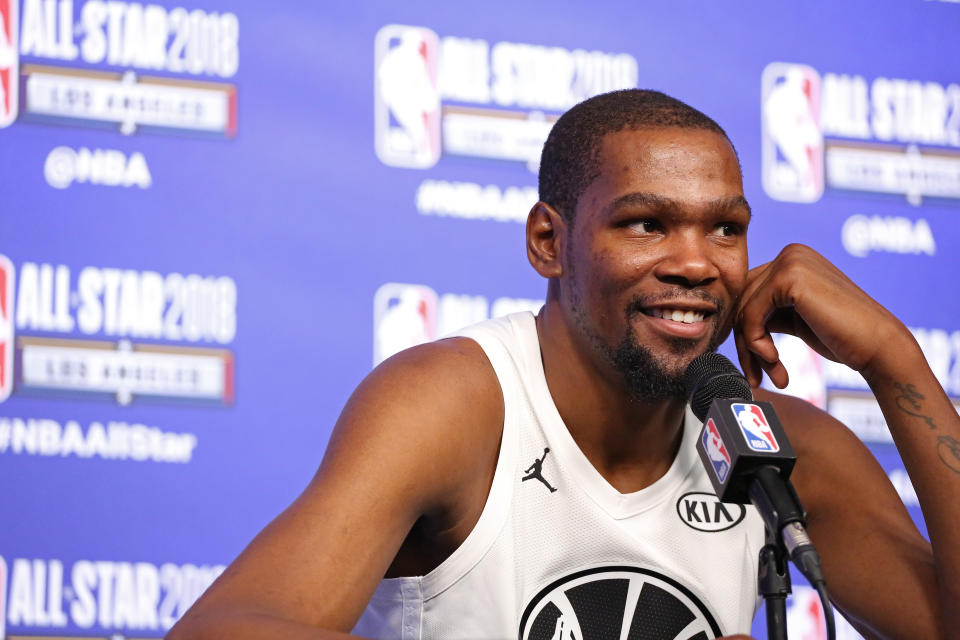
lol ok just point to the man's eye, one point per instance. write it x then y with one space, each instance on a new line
646 226
728 229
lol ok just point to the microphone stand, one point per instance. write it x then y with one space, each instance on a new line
773 582
779 506
715 387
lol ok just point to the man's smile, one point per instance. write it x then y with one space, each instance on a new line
679 318
677 322
678 315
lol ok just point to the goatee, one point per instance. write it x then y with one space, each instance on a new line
652 379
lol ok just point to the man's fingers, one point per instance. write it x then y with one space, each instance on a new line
756 347
749 363
756 338
769 364
755 278
777 373
743 355
758 270
754 365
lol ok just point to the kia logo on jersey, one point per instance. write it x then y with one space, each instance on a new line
6 329
407 104
716 451
8 62
704 512
755 428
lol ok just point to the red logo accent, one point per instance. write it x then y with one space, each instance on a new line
756 430
404 315
9 62
407 107
715 447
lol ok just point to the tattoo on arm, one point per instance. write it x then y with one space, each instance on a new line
910 402
949 452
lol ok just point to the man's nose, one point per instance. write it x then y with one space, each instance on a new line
687 261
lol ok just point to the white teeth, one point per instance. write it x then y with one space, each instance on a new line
687 317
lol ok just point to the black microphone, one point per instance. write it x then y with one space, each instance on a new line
747 455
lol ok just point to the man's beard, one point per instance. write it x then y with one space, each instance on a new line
647 377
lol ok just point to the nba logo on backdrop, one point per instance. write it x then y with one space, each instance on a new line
716 450
407 96
8 63
792 151
755 428
404 315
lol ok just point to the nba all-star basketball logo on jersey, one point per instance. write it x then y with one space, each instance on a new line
617 602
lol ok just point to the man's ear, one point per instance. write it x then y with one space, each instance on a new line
546 239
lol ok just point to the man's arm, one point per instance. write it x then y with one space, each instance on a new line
413 440
924 423
878 566
879 569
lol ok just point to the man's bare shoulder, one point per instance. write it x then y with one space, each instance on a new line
418 435
439 404
821 443
808 426
835 472
446 379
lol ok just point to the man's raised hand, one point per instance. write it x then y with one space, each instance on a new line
801 293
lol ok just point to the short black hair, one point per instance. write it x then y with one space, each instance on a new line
570 159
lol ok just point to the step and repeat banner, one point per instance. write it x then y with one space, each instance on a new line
216 218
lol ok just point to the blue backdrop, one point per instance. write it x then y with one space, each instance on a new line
216 218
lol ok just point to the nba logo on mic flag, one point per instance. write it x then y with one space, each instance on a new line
755 428
6 329
792 147
407 96
716 450
9 59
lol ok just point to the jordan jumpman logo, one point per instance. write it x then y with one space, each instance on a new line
536 470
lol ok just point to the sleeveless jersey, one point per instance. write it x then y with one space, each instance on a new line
559 554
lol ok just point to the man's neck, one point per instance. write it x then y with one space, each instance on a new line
630 442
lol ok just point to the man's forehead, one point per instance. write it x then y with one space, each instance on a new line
666 168
644 142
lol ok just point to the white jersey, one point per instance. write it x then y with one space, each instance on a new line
559 554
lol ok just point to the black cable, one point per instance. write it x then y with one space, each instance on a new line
821 588
806 559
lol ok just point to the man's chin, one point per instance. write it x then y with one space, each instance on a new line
675 367
653 377
682 351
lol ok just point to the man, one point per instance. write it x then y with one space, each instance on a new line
641 234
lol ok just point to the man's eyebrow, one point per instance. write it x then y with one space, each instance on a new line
643 199
657 201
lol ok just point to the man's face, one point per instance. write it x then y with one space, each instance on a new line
657 255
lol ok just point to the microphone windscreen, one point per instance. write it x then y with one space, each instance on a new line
711 375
